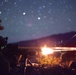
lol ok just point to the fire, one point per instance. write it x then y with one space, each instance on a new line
46 50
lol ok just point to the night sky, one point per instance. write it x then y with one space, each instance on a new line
31 19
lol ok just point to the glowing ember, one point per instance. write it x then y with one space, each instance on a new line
46 51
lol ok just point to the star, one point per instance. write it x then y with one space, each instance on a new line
6 0
43 6
50 3
69 19
0 12
15 3
5 18
44 16
24 13
39 18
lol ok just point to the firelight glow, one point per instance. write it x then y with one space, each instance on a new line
46 51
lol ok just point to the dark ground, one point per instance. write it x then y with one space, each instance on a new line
56 70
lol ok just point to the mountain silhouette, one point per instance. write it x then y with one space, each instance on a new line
64 39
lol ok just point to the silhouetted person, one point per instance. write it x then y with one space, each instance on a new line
3 41
4 65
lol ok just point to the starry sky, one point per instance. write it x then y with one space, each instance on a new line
31 19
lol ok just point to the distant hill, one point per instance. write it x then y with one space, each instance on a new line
65 39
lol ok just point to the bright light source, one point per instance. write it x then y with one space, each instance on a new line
24 13
39 18
46 51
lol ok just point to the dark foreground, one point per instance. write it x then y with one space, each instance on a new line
9 60
56 70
